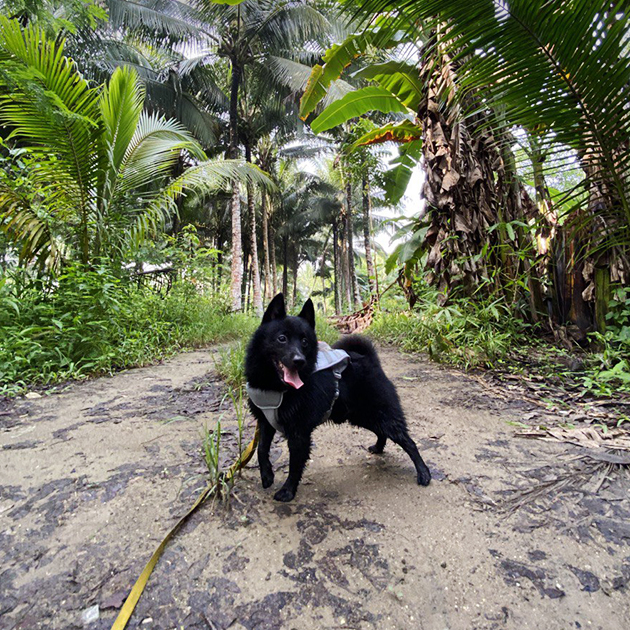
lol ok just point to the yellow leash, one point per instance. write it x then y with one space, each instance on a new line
131 601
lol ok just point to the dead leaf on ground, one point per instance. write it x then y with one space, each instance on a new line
587 437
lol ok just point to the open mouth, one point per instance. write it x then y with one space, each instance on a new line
289 376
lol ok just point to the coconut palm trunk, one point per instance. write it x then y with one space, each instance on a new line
354 297
255 268
274 265
367 230
336 268
296 267
235 201
265 234
285 265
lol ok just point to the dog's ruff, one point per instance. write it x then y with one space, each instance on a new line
269 401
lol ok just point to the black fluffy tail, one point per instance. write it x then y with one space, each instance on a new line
359 344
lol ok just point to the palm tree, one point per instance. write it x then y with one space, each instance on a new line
103 164
247 34
253 38
265 121
561 68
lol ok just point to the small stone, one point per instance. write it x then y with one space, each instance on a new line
443 564
90 615
146 621
32 395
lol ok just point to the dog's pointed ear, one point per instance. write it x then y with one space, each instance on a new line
275 310
308 312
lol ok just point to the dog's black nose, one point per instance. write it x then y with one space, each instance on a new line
299 362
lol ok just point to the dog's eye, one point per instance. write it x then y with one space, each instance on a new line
304 342
282 338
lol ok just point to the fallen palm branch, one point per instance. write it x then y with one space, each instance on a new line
587 437
602 453
358 321
585 473
554 400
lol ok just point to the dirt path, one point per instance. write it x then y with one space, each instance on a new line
92 478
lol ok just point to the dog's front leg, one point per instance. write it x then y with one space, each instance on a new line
299 452
264 444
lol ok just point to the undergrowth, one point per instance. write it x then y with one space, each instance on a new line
471 334
610 364
94 322
464 333
230 364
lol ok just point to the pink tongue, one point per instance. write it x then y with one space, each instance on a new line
291 377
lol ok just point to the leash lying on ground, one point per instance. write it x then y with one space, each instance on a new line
131 601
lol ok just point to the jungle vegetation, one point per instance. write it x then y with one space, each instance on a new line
169 165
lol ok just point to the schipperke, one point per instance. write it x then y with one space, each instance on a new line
290 391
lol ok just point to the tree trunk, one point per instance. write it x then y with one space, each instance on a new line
235 203
600 256
255 270
545 234
219 260
296 266
265 231
336 268
247 267
274 265
344 267
85 238
237 250
355 296
470 187
285 263
367 230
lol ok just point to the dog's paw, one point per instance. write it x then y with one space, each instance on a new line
267 479
375 449
284 494
424 477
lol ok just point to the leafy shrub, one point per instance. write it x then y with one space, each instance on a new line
93 321
610 365
464 333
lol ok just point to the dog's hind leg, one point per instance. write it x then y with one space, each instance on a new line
299 452
377 449
264 444
400 435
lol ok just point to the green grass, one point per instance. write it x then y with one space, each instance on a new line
466 334
325 331
230 364
95 323
471 334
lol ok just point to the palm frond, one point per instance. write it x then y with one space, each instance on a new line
152 152
50 107
207 177
121 104
166 21
295 76
289 25
29 229
559 67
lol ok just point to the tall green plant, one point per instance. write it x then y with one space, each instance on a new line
559 68
104 164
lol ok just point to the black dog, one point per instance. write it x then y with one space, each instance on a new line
279 365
